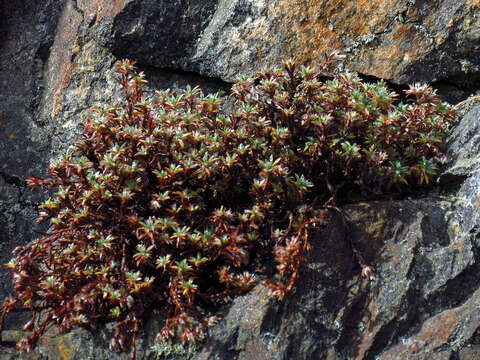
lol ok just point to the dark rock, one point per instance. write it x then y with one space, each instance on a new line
464 145
159 33
402 41
27 31
335 314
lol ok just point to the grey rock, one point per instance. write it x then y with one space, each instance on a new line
335 314
171 27
27 32
464 147
403 41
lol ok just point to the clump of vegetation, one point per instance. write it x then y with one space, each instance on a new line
170 203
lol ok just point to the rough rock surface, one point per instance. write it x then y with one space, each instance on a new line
57 57
27 32
400 40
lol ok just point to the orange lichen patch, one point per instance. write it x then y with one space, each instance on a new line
406 34
64 350
404 45
67 44
60 67
437 331
315 26
67 71
413 13
59 346
460 248
384 46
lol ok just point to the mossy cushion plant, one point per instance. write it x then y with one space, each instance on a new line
170 203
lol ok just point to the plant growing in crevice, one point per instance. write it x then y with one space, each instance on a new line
168 202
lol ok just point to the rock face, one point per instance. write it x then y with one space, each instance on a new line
27 31
57 58
400 40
